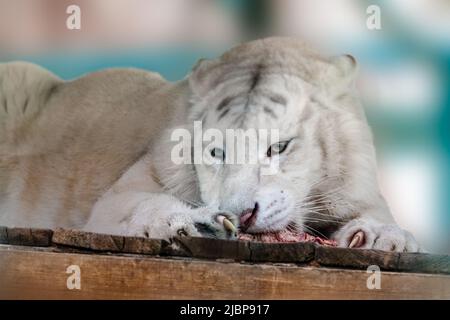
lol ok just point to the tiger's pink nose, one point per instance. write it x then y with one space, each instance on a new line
248 217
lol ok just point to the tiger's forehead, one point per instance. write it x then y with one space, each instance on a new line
258 101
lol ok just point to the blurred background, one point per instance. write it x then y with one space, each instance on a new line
404 68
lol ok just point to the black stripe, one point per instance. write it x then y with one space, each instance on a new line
279 99
256 76
224 112
5 105
270 112
225 102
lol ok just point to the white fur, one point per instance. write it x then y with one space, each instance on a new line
327 173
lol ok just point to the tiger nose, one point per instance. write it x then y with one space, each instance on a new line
248 217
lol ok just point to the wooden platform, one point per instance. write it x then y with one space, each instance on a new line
33 265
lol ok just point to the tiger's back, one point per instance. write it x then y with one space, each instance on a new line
62 144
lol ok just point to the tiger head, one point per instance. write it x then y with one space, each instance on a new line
322 143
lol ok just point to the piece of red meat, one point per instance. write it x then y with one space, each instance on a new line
285 236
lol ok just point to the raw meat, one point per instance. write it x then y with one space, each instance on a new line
285 236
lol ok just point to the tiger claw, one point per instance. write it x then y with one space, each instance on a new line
227 224
357 240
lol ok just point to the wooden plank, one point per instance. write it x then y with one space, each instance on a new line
356 258
105 242
142 245
361 259
41 237
3 235
211 248
26 236
207 248
421 262
31 274
281 252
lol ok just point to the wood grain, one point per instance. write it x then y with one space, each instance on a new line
361 259
105 242
3 235
422 262
207 248
32 274
356 258
213 248
281 252
26 236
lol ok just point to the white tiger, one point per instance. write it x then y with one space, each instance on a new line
95 153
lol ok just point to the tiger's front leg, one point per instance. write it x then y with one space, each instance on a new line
156 215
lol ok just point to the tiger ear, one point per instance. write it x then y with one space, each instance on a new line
341 73
345 65
204 76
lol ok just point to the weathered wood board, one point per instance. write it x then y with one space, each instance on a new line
235 250
40 273
33 264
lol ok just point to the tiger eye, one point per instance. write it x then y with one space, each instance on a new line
218 153
277 148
